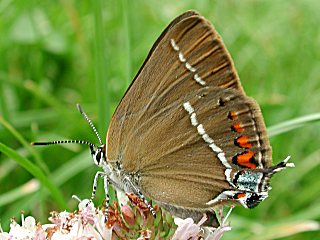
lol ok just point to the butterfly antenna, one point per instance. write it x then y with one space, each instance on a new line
63 142
90 122
92 146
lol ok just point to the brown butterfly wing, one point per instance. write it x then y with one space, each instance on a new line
177 165
164 79
151 133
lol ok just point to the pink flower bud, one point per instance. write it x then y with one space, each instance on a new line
128 215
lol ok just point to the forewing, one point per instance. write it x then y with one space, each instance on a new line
188 56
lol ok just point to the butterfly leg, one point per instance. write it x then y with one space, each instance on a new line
94 186
106 210
140 195
94 189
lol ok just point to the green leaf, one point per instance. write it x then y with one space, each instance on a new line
292 124
36 172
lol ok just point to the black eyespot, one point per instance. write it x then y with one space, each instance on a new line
221 102
253 200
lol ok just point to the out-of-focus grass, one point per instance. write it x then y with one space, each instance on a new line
51 53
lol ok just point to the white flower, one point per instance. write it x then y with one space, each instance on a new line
84 224
187 229
25 231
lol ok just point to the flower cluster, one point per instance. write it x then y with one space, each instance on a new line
86 223
131 221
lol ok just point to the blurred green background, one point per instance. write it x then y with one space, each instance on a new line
54 54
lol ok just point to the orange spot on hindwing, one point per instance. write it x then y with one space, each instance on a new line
237 128
245 159
232 115
239 195
243 142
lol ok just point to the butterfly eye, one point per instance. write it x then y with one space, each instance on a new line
98 155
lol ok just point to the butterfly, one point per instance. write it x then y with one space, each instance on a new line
185 134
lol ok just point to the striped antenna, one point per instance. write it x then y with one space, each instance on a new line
90 122
75 141
63 142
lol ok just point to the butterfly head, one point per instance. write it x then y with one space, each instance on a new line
98 154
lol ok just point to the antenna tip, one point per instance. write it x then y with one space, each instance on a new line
39 143
79 108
